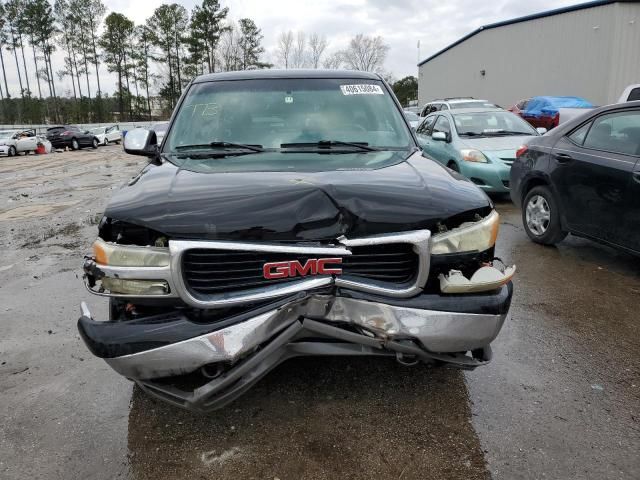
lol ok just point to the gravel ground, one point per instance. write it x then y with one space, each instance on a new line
560 400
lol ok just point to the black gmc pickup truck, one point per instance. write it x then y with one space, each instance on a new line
289 213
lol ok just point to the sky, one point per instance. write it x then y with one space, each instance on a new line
401 23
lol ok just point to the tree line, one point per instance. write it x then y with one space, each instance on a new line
164 53
161 56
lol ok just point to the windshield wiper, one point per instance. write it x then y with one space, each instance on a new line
471 134
327 144
253 148
506 132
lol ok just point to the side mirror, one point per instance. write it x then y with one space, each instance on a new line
141 141
541 130
439 136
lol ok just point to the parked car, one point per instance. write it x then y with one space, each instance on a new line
72 137
583 178
549 112
630 94
412 118
106 135
453 103
296 216
481 144
13 142
415 110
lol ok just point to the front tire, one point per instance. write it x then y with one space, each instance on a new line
105 142
74 144
12 151
541 216
94 143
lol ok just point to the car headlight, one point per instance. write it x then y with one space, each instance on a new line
471 155
468 237
129 255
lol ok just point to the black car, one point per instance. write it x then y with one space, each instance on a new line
289 213
72 137
583 178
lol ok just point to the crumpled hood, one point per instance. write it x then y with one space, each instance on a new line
286 206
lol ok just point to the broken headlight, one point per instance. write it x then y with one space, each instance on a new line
468 237
116 255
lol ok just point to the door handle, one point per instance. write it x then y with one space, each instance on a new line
636 176
562 157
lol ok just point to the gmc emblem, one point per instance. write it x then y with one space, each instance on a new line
313 266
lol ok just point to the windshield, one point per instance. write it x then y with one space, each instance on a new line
272 113
471 104
491 123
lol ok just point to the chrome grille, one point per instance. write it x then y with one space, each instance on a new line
212 271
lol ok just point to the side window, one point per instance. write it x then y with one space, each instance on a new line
634 94
578 135
442 125
445 107
425 126
616 132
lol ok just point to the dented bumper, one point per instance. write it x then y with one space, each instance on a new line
244 347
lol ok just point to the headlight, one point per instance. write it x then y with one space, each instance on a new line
129 255
468 237
471 155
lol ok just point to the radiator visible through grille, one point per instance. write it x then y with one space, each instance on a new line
212 271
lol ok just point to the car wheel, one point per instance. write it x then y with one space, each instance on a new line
94 143
12 151
105 142
541 216
453 166
74 144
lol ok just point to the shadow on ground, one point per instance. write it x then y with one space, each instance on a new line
317 418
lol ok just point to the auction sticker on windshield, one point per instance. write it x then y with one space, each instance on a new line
361 89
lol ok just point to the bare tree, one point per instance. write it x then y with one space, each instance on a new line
285 47
333 61
298 56
317 46
229 48
365 53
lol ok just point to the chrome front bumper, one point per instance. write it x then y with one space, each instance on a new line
433 331
317 324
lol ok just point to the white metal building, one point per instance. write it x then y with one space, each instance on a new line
590 50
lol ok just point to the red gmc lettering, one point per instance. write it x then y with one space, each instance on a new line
313 266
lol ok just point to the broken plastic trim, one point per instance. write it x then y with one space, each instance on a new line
484 279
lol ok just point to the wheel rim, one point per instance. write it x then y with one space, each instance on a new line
538 215
105 142
74 144
12 152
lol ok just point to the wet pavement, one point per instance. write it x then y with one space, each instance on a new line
561 399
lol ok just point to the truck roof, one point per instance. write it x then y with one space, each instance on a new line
292 73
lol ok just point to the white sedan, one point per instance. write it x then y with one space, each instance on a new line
13 142
106 135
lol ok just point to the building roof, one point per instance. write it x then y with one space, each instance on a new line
526 18
292 73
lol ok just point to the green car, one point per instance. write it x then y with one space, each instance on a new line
480 143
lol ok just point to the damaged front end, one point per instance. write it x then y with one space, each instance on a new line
197 323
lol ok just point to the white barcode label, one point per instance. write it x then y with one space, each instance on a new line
362 89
